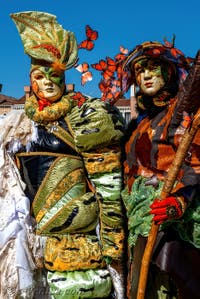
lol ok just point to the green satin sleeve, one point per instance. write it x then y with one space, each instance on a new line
80 284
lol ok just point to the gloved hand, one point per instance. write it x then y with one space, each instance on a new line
167 209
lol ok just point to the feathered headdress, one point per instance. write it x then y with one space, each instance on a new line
166 52
45 40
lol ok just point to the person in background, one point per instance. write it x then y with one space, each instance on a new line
152 139
62 221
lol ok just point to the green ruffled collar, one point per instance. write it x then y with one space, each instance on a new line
50 113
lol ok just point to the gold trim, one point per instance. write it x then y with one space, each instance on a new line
61 133
182 203
17 161
26 154
58 213
52 199
45 179
69 126
35 201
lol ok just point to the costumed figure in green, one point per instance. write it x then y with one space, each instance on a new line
157 70
62 221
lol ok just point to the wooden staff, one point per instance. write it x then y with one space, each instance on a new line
168 186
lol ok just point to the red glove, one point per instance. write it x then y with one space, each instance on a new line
167 209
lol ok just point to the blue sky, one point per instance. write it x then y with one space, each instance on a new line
125 23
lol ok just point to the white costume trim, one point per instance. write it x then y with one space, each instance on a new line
18 244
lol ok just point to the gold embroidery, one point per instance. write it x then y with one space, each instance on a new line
50 113
62 187
101 162
58 170
74 252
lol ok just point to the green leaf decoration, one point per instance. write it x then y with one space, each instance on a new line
44 39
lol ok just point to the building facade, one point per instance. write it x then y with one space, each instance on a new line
8 103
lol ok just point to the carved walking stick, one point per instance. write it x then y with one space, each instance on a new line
189 101
168 185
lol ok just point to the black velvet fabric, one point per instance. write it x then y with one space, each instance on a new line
34 168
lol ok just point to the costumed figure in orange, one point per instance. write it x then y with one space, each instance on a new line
158 71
